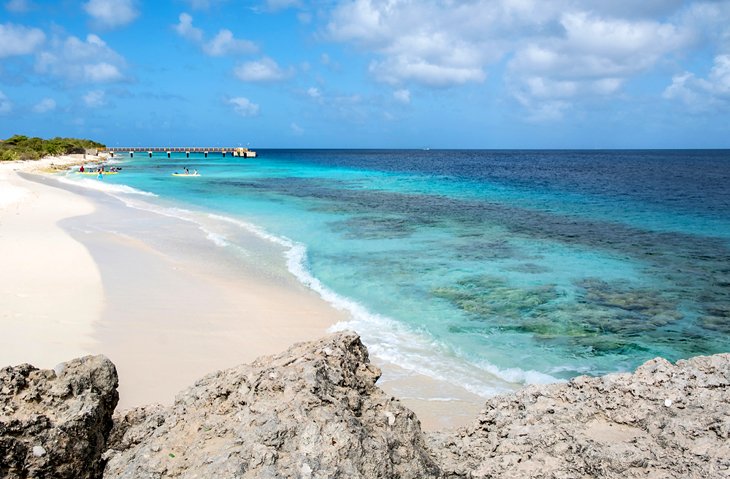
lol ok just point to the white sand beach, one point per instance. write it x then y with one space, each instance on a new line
84 274
44 273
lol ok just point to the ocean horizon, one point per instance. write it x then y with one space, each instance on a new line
486 268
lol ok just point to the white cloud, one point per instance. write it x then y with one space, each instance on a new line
186 29
112 13
95 98
79 61
17 6
6 106
592 58
314 92
558 53
424 42
598 48
264 70
101 73
225 44
244 106
703 93
402 96
19 40
403 69
45 105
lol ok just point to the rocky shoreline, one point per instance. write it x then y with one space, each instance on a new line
315 411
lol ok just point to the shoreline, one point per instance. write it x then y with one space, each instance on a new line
173 310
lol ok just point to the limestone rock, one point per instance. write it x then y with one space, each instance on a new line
663 421
311 412
54 424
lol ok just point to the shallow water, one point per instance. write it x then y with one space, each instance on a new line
485 268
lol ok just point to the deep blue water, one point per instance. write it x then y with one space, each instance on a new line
488 266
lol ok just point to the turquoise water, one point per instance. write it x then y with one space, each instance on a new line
486 268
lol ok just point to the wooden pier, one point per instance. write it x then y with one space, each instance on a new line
131 150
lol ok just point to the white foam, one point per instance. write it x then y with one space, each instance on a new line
395 342
100 185
432 399
218 240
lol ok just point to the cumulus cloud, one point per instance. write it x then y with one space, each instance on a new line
19 40
102 72
244 106
264 70
225 44
557 52
314 92
593 57
112 13
6 105
402 96
185 28
703 93
95 98
403 69
81 61
425 42
599 48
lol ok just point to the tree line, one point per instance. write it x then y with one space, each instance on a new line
20 147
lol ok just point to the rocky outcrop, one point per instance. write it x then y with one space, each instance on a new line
663 421
54 423
315 412
311 412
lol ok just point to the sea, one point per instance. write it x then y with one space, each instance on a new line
487 269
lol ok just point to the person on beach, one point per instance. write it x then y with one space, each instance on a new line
82 169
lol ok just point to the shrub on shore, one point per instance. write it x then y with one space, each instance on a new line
20 147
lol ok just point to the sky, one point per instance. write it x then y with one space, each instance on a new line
369 73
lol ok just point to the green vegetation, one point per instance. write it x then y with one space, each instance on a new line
19 147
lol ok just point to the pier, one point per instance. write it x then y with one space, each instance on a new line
131 150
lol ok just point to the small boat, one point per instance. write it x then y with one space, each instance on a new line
185 174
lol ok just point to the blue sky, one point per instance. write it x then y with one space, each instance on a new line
369 73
